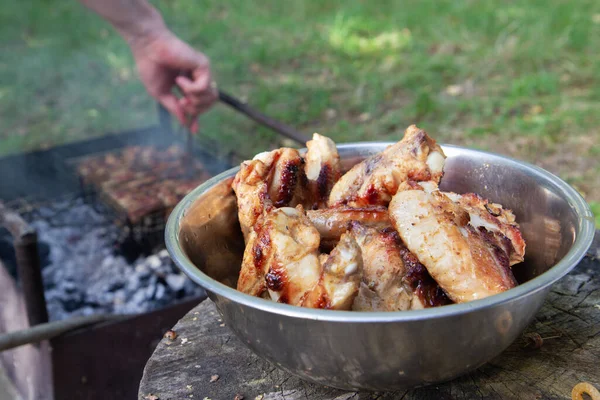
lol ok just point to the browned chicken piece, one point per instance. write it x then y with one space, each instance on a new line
322 169
287 181
271 179
333 222
393 279
465 260
374 181
340 278
499 223
282 257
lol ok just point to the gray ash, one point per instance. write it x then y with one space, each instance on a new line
85 273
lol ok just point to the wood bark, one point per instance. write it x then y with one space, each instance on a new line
205 349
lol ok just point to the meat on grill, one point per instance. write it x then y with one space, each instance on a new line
142 180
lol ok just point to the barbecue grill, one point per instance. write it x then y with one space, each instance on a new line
47 184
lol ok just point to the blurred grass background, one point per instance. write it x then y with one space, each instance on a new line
519 78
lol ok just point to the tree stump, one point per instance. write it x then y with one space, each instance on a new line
206 359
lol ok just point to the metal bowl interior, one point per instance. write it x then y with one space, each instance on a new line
204 239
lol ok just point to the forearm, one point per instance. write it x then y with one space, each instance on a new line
133 19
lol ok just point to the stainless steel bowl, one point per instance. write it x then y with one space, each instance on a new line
390 350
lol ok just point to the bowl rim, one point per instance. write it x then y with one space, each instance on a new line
584 237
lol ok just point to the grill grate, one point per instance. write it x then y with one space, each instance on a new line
138 186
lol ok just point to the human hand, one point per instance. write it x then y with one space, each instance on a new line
164 62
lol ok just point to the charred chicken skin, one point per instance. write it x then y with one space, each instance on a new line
282 178
271 179
467 260
374 181
282 257
393 279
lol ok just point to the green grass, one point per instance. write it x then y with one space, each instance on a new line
520 78
595 205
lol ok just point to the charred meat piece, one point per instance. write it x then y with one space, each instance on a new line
374 181
393 279
271 179
282 258
499 223
464 259
142 180
340 277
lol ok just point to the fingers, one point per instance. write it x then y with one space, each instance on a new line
200 90
199 93
193 111
161 62
171 103
198 86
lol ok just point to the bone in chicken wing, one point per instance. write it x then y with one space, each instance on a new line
375 180
271 179
340 278
333 222
282 257
462 258
322 170
393 279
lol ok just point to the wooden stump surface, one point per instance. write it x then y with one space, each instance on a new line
207 361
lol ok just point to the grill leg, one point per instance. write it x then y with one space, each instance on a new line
30 274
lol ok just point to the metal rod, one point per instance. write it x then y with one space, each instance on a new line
243 108
164 119
28 265
277 126
30 275
50 330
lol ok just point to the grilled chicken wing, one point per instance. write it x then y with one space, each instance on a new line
498 222
464 259
322 170
340 279
271 179
374 181
393 279
333 222
282 257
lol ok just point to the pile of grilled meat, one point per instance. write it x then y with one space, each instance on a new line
381 237
142 180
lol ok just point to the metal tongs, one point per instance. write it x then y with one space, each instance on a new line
241 107
262 119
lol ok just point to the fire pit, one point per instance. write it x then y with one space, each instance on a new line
100 239
90 246
88 267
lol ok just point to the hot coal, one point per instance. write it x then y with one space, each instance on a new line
85 273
